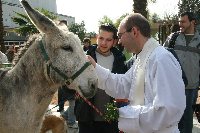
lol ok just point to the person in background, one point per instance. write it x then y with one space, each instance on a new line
175 28
186 46
153 85
10 53
89 121
86 44
130 61
66 94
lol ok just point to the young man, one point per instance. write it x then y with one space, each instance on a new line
104 53
153 85
187 49
86 44
66 94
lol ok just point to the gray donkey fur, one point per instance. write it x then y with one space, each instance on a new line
26 90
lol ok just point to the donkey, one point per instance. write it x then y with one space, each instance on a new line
55 57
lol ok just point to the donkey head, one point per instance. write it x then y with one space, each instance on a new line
64 56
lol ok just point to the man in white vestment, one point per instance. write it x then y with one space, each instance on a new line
3 58
153 85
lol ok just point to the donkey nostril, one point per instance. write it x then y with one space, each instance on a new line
93 86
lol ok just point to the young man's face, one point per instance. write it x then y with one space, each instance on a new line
186 26
86 44
105 41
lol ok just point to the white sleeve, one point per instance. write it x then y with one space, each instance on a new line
5 59
115 85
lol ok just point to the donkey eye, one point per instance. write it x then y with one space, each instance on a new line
67 48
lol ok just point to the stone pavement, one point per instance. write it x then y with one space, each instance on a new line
196 128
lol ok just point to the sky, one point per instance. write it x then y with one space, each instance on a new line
91 11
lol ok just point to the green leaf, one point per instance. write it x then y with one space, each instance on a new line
111 113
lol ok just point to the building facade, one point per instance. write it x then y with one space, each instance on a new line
10 7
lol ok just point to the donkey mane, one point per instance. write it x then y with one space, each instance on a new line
22 50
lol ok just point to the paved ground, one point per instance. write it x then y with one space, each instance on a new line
196 128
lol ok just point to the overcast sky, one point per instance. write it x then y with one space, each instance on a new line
91 11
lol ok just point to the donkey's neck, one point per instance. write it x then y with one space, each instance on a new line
30 82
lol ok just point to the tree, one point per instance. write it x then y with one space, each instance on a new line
2 48
189 5
78 29
118 21
26 27
140 6
105 19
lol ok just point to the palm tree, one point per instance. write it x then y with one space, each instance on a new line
26 27
140 6
2 48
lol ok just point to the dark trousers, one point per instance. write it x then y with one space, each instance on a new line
61 98
98 127
64 94
186 123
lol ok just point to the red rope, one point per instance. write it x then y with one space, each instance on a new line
89 103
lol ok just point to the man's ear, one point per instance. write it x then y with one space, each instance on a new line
194 22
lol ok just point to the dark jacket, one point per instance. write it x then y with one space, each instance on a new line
83 111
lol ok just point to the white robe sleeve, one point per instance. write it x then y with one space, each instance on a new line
3 58
116 85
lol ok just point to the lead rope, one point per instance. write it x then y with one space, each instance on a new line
89 103
95 108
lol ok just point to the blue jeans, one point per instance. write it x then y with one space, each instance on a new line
186 123
69 113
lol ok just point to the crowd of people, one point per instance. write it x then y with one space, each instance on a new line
154 90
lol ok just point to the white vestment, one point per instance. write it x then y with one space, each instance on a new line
164 96
3 58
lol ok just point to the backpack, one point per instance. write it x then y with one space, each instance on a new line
184 48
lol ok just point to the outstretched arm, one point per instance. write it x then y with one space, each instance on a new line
91 60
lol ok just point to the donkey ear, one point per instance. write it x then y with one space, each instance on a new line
43 23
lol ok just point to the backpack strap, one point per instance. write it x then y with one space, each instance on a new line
173 39
180 47
187 48
183 73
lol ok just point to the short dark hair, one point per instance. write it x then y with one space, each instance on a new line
110 28
175 27
86 40
139 21
191 15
